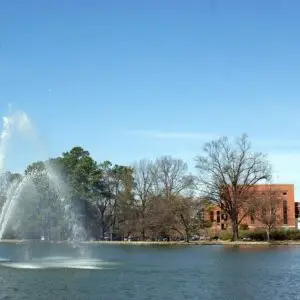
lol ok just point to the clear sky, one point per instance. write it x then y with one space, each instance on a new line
138 79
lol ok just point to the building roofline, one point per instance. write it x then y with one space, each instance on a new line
288 184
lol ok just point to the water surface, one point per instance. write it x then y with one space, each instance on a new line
115 272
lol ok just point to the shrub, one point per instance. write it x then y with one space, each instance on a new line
285 234
293 234
225 235
260 234
207 224
279 235
244 227
256 235
244 234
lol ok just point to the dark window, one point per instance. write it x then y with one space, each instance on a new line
252 216
218 217
211 215
224 217
297 211
223 226
285 212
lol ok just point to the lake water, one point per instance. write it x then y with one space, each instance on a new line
115 272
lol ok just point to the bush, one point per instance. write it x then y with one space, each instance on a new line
260 234
244 227
276 235
285 234
256 235
294 234
207 224
225 235
279 235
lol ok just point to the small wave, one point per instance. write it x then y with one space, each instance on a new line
2 259
21 266
57 263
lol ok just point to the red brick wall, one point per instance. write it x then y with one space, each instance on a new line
287 193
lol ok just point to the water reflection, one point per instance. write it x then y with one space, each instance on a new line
160 273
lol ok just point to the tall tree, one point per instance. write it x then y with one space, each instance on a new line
170 179
124 210
143 191
79 169
228 171
111 192
44 207
77 166
170 176
266 208
187 211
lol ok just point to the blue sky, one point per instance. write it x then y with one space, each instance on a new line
138 79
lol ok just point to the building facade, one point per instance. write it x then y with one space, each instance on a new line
288 210
297 214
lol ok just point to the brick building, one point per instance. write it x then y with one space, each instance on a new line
297 214
286 212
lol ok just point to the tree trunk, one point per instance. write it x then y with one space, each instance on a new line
235 230
102 231
268 234
187 238
187 233
143 224
85 216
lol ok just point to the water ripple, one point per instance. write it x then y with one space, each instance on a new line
57 263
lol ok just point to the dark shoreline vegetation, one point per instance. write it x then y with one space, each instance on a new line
149 201
221 243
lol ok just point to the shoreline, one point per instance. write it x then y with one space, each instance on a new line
173 243
201 243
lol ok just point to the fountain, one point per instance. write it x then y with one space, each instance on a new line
26 199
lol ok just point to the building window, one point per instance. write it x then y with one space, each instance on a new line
223 226
211 216
224 217
218 217
285 212
252 216
297 211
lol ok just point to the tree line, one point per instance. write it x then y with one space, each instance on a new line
156 199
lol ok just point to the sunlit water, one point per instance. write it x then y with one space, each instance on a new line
56 271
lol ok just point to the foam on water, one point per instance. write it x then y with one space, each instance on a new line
2 259
57 263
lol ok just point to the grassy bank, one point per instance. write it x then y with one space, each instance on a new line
192 243
219 242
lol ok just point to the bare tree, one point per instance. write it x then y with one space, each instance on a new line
143 190
161 219
170 176
187 212
170 180
227 174
266 208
